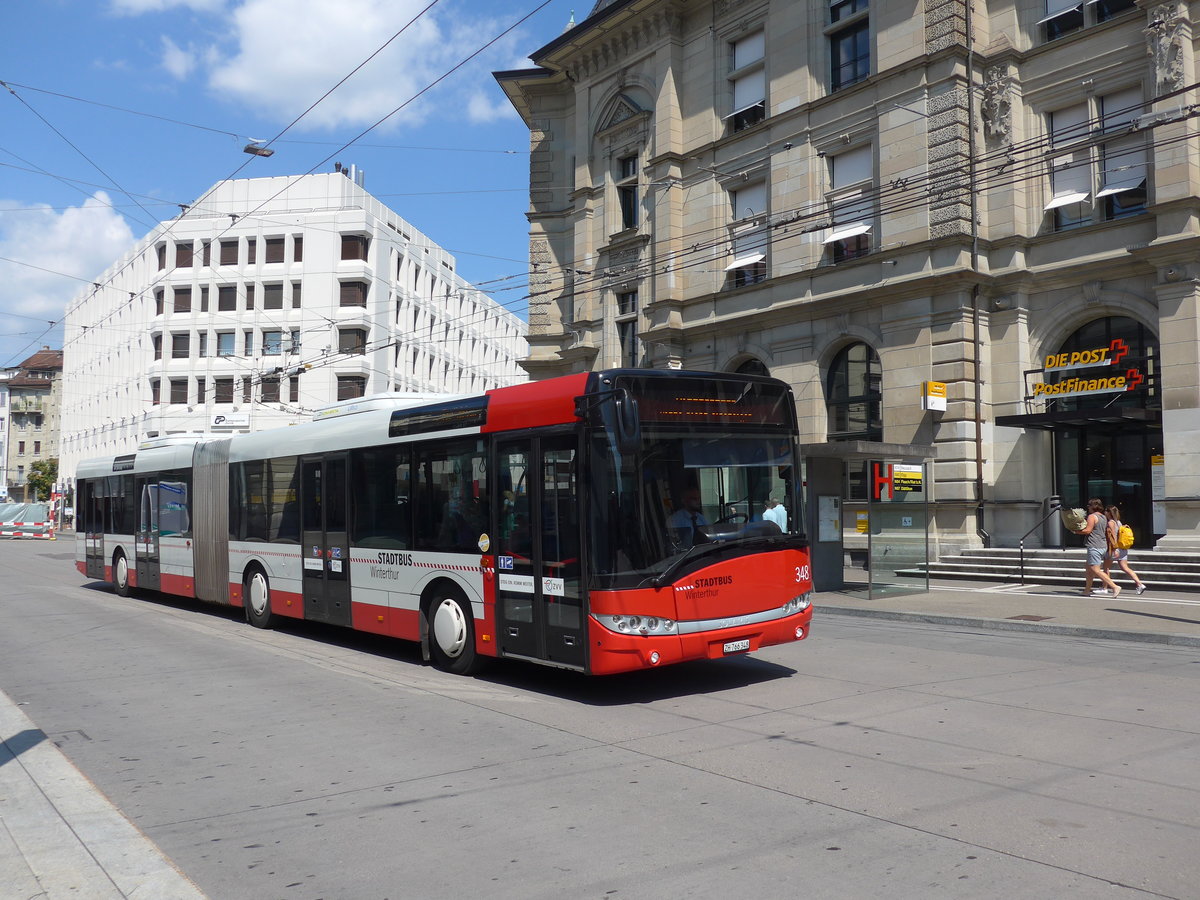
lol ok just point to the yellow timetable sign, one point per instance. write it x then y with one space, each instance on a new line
907 479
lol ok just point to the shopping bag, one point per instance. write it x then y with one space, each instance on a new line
1073 519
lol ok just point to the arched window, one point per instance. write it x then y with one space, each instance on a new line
852 395
1141 352
752 367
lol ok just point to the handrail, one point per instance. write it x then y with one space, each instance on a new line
1054 510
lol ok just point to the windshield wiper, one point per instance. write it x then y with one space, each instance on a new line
666 576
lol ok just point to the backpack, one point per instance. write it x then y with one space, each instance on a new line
1073 520
1124 537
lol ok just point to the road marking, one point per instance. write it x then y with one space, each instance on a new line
1011 589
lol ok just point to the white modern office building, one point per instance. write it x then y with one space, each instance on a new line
265 300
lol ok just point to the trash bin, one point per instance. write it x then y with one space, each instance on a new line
1052 527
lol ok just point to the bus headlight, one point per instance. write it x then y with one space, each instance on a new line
798 604
647 625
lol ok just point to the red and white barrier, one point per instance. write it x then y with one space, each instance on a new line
15 529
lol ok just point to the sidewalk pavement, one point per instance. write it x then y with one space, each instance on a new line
1159 617
60 837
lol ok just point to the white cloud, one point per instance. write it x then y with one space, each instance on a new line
139 7
179 62
290 52
483 109
50 246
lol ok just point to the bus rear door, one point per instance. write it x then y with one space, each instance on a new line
324 541
538 587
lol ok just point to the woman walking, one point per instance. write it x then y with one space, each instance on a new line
1116 553
1096 531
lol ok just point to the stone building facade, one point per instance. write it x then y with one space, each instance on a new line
34 390
866 198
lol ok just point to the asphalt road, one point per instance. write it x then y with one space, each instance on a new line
874 759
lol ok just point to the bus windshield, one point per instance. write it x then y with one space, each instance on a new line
686 493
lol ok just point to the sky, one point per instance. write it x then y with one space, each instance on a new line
118 111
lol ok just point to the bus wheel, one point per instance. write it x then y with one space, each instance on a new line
120 574
452 633
257 599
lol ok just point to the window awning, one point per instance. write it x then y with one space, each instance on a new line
746 108
1066 199
747 260
1121 186
1061 12
842 232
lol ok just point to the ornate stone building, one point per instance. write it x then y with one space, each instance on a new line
863 198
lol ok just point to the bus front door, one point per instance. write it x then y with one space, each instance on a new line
149 573
538 586
324 540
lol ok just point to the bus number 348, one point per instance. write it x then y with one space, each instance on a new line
803 573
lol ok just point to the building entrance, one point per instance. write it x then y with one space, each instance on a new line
1112 464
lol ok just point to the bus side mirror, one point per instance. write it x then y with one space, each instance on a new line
629 425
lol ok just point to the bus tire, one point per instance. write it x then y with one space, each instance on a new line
257 598
120 574
452 632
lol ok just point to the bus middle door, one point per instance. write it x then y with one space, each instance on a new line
324 540
538 587
149 572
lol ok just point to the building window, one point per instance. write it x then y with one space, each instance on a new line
849 34
272 296
203 299
273 250
161 251
627 191
37 447
225 344
202 344
294 389
353 293
351 386
298 248
154 391
1070 168
179 391
200 390
179 346
229 252
156 342
1122 156
158 302
627 335
354 246
226 298
627 303
247 390
249 296
748 236
851 204
295 295
272 343
748 81
293 345
223 390
352 340
251 251
248 343
183 300
183 255
270 390
20 448
1068 16
206 253
853 395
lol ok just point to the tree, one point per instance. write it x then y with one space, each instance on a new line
43 475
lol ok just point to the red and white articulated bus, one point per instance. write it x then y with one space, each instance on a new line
601 522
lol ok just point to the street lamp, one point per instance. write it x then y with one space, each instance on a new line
257 148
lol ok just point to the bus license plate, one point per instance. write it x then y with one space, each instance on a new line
737 646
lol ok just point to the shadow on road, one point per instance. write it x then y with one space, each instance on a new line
19 743
682 680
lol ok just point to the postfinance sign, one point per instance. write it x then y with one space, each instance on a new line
1111 382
